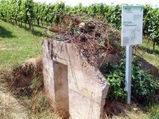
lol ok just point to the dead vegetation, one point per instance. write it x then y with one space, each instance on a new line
94 38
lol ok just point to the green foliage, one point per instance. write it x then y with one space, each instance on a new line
113 15
27 11
144 86
151 23
116 77
17 11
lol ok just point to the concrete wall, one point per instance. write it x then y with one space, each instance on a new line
87 88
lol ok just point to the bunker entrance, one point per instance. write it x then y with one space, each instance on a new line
61 89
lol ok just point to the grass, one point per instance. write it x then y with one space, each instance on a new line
146 52
132 115
154 111
17 44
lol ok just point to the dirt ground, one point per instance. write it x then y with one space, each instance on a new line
10 108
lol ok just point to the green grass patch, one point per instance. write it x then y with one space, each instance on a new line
147 53
18 44
148 45
154 111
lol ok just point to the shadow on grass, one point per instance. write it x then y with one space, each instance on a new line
5 33
149 68
34 32
150 51
40 26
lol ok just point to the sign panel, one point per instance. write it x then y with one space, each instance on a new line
132 25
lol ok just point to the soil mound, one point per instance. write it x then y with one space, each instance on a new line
27 77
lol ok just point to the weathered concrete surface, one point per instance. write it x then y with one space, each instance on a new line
75 88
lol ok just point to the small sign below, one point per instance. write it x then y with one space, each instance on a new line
132 25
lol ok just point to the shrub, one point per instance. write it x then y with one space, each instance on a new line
144 86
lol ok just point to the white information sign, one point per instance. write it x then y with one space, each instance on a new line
132 25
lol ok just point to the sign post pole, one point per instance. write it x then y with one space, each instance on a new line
128 72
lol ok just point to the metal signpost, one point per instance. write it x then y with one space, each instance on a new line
132 28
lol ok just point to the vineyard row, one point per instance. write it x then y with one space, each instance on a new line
29 12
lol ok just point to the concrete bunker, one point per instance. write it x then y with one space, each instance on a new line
75 88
